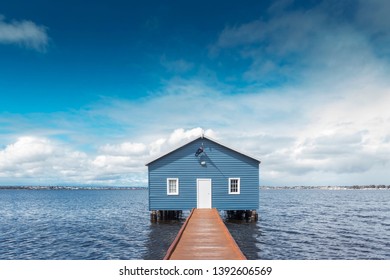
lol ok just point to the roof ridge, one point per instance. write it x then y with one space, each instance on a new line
201 137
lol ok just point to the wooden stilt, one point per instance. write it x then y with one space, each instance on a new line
153 216
165 215
248 215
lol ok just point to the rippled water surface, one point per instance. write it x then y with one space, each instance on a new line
80 224
114 224
318 224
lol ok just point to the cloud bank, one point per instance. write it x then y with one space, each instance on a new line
40 160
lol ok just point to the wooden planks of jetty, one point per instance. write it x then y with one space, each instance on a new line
204 236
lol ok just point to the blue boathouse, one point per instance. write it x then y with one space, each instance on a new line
204 174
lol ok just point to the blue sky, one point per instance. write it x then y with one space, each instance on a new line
92 91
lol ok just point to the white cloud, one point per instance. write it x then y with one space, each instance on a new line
39 158
180 134
25 33
25 150
155 146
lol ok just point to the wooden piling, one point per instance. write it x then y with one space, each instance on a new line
165 215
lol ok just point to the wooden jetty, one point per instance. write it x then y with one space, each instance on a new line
204 236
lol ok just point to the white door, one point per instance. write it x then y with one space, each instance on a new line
204 193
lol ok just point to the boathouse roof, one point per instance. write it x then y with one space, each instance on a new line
203 137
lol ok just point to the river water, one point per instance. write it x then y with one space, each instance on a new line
115 224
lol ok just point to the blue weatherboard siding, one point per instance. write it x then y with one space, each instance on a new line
222 163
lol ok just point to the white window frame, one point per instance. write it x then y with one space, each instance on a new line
177 186
238 186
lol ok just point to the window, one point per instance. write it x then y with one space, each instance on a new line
234 185
172 186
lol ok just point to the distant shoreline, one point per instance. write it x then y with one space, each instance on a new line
356 187
69 188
